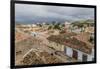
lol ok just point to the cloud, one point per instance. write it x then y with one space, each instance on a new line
35 13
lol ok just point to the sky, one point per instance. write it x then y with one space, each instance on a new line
28 13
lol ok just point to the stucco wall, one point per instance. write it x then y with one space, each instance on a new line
69 52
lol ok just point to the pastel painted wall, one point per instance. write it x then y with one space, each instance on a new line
69 51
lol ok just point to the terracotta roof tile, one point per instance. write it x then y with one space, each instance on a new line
71 42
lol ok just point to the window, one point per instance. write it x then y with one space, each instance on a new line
84 57
75 54
92 59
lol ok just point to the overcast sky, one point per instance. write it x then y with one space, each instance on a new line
26 13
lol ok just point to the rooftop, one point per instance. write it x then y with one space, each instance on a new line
84 37
71 42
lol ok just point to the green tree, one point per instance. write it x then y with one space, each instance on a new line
57 26
50 27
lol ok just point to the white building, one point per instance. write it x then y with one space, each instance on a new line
73 48
34 34
79 55
67 24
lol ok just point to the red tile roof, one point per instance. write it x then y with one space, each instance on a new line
71 42
84 37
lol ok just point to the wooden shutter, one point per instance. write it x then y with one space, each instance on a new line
84 57
75 54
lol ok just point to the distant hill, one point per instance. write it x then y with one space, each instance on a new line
81 23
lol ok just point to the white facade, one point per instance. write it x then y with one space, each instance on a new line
80 55
76 30
91 57
34 34
69 52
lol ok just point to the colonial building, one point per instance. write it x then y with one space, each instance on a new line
73 47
